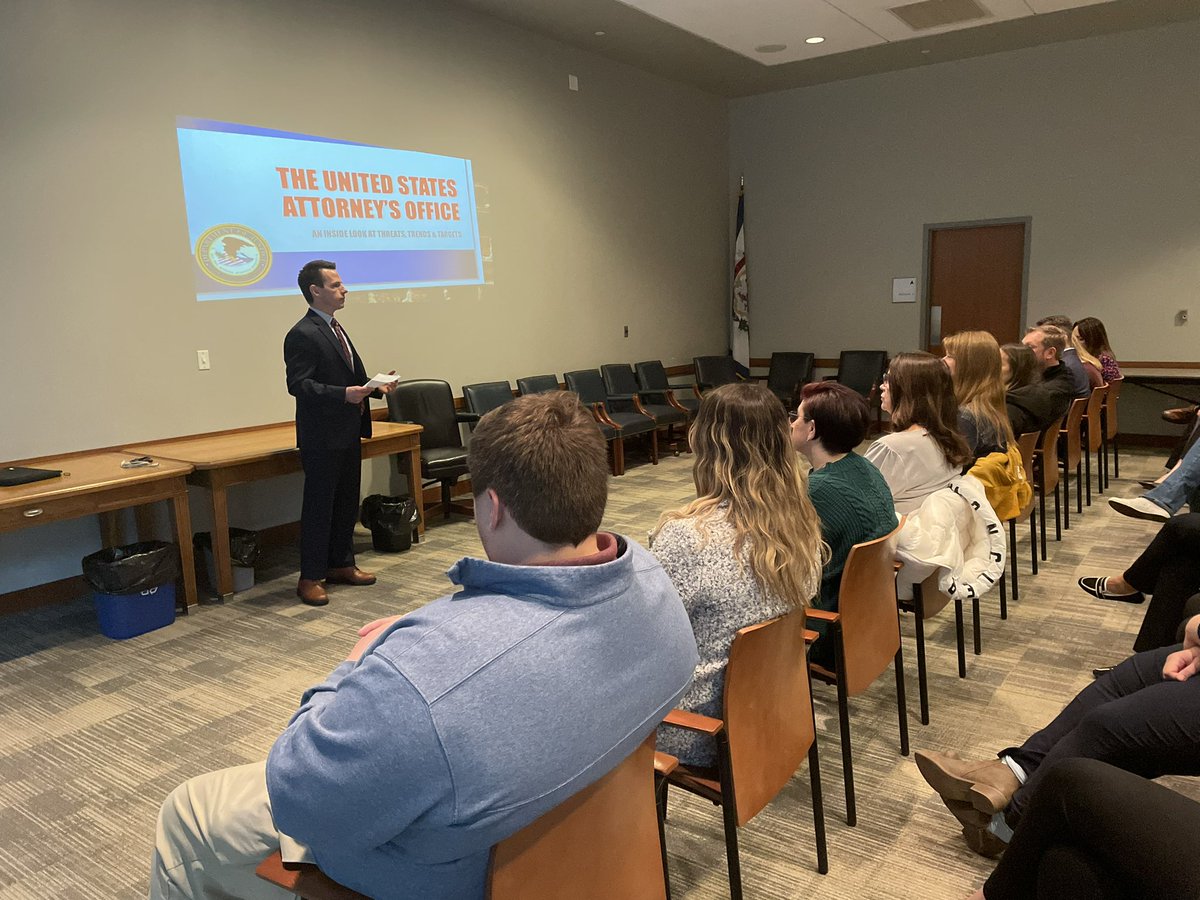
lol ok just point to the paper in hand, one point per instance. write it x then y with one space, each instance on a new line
380 380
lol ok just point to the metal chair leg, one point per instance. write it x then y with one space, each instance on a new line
975 617
901 699
729 816
1065 480
1057 517
962 644
922 675
1033 544
818 805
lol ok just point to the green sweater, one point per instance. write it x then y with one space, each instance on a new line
855 505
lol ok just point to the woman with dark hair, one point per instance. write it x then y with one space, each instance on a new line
747 549
849 494
1091 340
925 449
1029 406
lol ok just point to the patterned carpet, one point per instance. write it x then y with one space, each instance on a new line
94 733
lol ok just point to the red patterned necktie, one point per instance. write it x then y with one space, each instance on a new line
337 329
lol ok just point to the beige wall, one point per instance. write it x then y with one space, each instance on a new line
1097 140
610 208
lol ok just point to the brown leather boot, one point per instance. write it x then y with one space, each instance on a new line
987 785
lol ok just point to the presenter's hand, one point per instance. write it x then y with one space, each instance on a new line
368 634
356 394
388 388
1182 664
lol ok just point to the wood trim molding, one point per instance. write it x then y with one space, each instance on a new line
1140 364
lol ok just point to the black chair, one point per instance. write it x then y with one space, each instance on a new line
537 384
863 371
714 371
430 404
618 415
482 398
790 372
623 386
653 378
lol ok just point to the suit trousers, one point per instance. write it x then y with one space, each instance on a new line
331 487
1168 570
1130 718
1095 832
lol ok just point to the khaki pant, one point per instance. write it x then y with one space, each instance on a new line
213 831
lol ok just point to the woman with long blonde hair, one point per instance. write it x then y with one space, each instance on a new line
747 549
973 358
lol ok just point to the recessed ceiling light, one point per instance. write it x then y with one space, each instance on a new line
599 33
814 40
770 48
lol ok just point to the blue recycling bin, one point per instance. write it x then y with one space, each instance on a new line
128 615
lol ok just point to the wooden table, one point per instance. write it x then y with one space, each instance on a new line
95 484
219 461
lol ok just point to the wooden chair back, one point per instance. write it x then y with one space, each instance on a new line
1047 450
600 843
1110 409
870 621
1092 416
1027 443
1070 445
768 710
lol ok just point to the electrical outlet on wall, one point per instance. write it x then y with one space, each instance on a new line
202 360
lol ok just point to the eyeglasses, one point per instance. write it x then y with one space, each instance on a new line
794 416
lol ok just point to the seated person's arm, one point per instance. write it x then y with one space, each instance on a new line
1183 664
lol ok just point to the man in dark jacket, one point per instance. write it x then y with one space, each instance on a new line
1047 343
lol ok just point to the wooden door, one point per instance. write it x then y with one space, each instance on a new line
976 281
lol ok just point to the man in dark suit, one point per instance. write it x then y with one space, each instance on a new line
1047 343
327 378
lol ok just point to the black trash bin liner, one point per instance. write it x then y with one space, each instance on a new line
243 545
134 567
392 521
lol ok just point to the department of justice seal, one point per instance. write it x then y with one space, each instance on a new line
233 254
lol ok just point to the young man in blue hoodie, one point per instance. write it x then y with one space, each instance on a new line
451 728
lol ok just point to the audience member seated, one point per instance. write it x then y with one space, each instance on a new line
850 496
1047 343
1091 340
1096 832
747 549
1169 496
1143 717
973 358
1026 399
1069 357
1168 570
451 728
925 450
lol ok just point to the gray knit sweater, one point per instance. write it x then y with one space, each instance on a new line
720 597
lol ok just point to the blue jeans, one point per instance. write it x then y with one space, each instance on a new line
1180 486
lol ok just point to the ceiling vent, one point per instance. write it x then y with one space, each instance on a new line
939 13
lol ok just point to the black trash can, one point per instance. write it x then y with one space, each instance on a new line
134 587
392 520
243 554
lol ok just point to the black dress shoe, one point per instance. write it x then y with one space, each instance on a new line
1148 483
1102 671
1098 587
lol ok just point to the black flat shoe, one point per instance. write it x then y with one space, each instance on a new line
1102 671
1096 586
1148 483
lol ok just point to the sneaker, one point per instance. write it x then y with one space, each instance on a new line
1139 508
1098 588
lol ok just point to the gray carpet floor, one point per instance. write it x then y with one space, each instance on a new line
94 732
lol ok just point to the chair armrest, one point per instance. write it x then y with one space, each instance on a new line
823 614
601 414
694 722
466 417
810 635
628 398
664 764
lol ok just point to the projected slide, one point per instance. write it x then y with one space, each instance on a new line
261 203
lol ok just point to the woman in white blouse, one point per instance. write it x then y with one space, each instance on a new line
925 449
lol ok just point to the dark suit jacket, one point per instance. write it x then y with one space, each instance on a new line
317 376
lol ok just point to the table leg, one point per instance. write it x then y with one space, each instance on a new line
414 485
183 536
220 542
111 529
